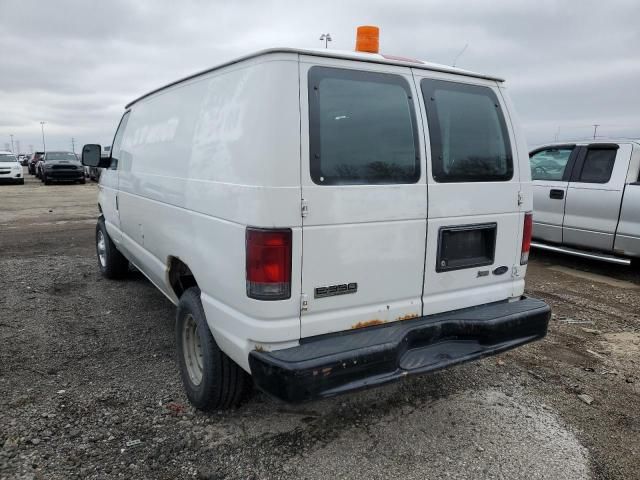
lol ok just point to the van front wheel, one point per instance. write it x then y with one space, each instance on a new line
111 262
211 379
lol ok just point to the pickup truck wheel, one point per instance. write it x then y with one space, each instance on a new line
111 262
211 379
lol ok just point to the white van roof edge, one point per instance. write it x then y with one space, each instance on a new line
343 54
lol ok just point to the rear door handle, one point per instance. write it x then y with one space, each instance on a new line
556 194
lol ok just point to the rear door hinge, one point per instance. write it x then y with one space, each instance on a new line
520 198
304 302
304 208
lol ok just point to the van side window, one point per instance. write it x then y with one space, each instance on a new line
469 137
362 128
550 164
117 141
598 165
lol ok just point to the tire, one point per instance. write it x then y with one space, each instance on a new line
635 263
111 262
21 181
82 181
216 382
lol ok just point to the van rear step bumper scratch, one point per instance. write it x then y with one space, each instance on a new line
332 364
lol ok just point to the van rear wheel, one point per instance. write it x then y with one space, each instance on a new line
211 379
635 263
111 262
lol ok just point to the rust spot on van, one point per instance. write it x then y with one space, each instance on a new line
368 323
408 316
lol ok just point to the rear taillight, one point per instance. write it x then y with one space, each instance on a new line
526 238
268 264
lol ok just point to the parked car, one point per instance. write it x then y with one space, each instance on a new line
10 168
60 166
23 160
586 198
286 203
33 160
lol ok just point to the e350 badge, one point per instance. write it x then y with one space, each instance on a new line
331 290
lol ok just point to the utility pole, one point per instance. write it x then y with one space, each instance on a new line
44 146
18 147
73 145
12 143
326 37
595 129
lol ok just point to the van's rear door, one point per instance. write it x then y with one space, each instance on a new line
476 207
365 194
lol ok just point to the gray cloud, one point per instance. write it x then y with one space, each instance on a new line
75 64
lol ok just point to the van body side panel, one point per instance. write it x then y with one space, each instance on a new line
592 209
366 238
207 158
473 204
107 192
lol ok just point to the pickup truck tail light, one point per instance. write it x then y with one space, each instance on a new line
268 263
526 238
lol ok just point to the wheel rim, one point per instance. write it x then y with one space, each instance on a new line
102 249
192 350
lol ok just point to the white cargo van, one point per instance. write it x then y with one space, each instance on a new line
324 221
587 199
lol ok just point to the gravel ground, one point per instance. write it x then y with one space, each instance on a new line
89 387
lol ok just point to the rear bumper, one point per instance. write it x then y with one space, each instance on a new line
332 364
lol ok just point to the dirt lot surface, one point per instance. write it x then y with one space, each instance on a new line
89 387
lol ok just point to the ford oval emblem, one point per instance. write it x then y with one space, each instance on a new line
500 270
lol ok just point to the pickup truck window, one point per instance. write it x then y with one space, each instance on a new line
362 128
550 164
598 165
469 137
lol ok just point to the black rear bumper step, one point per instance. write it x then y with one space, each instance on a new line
332 364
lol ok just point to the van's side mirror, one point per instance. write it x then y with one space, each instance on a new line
92 156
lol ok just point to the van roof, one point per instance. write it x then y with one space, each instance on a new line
342 54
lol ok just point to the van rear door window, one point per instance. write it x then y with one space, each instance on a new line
469 137
362 128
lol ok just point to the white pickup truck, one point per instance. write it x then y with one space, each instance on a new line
586 199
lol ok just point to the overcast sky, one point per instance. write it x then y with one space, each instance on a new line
75 64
